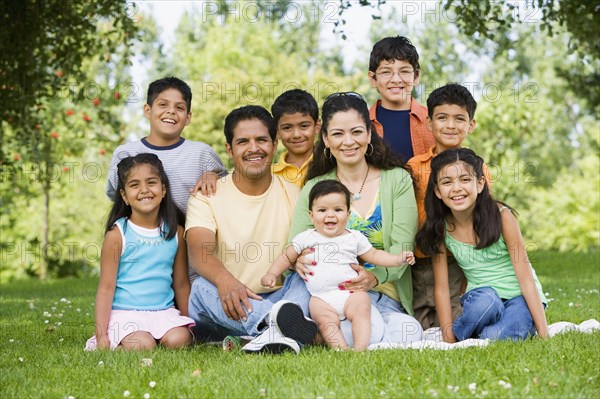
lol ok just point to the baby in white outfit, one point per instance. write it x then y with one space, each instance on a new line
335 249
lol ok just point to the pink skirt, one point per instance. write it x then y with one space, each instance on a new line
156 322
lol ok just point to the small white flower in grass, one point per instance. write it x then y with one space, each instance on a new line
547 293
152 384
319 397
146 362
60 315
433 393
126 393
453 388
484 393
504 384
100 363
262 392
382 393
63 299
590 379
31 305
11 340
58 324
146 395
21 359
526 370
78 310
61 340
472 387
47 314
53 308
570 304
46 321
70 397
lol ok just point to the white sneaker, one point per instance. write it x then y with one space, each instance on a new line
271 341
288 318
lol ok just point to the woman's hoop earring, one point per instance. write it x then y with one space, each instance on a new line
325 153
372 149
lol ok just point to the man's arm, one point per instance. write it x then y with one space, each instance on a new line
233 294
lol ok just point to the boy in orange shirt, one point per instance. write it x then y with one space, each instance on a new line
394 71
451 112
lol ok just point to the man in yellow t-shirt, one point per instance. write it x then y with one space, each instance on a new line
234 236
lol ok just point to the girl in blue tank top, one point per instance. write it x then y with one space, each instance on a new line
503 299
143 265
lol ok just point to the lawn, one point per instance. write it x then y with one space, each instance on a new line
44 326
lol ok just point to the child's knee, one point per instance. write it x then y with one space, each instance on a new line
483 300
177 337
140 340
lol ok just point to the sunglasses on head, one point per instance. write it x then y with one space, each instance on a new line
343 94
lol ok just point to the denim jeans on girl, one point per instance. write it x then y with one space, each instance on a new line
485 315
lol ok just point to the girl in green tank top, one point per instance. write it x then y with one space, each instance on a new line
504 299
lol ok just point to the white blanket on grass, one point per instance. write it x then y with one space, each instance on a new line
433 337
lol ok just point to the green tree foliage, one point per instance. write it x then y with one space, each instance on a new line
247 56
495 20
63 82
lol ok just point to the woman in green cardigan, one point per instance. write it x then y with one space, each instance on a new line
383 208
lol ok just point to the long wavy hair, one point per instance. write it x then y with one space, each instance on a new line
169 214
487 222
381 157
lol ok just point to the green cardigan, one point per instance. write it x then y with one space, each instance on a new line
399 224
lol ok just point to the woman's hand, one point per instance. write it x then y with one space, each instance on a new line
304 263
363 282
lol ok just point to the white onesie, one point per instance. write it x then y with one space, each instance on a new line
333 257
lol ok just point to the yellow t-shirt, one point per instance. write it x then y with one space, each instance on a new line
251 231
290 172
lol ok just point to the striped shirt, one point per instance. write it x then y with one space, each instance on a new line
184 163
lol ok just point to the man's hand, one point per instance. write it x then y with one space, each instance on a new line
235 298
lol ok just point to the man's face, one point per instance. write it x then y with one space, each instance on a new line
251 149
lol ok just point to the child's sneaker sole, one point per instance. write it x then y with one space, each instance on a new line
292 323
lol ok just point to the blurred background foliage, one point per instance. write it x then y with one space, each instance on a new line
69 97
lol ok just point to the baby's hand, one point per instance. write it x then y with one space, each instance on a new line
268 280
408 257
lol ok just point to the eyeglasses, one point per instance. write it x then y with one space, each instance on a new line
343 94
404 74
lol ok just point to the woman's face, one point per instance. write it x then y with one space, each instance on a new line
347 137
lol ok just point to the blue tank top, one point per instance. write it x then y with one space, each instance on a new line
145 275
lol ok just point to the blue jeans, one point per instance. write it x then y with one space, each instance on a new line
394 325
213 325
485 315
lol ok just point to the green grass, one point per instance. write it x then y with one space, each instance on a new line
46 360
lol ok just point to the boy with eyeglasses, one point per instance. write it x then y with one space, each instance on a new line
402 122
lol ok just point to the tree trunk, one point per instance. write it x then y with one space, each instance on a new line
45 230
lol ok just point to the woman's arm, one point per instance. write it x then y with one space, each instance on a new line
403 219
441 295
181 281
109 266
518 255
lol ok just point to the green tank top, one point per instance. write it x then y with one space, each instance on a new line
489 267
